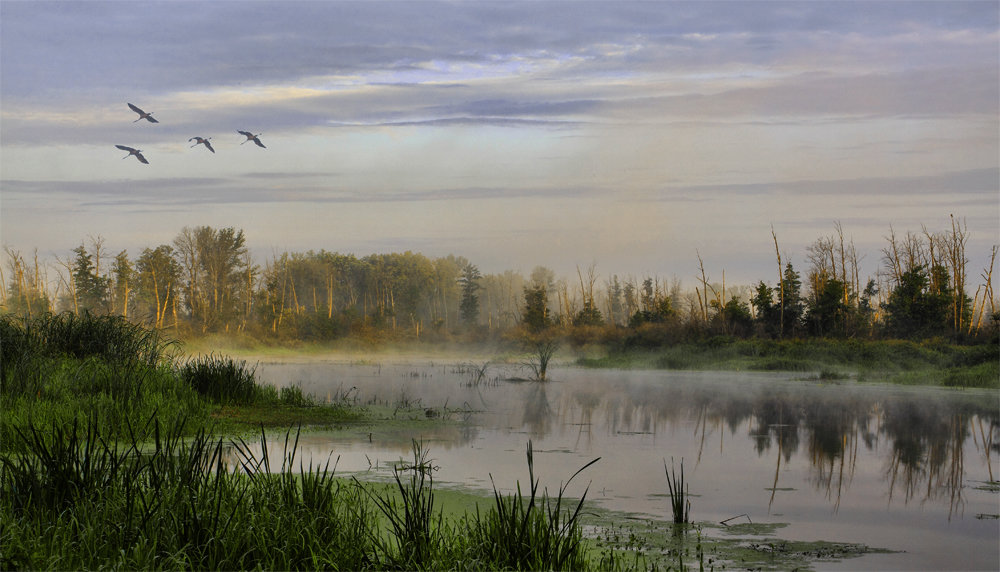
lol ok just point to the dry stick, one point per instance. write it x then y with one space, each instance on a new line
988 292
975 302
781 285
3 289
703 302
724 522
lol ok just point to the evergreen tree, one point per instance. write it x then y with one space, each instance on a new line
915 308
768 314
827 311
792 308
469 281
92 291
536 308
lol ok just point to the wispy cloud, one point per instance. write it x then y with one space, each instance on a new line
553 118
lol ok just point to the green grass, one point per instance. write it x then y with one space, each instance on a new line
680 496
110 459
931 362
159 500
536 533
56 366
221 379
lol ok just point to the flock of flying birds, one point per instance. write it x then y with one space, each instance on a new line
198 140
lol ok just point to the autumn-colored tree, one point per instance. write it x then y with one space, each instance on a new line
158 284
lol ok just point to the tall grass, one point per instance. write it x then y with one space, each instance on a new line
416 527
537 533
680 502
157 500
171 503
221 379
112 338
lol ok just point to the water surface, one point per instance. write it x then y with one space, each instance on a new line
901 468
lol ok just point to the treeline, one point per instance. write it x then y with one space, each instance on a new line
205 281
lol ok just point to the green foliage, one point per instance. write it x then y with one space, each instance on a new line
916 308
826 311
536 533
985 375
469 281
680 496
221 379
536 308
589 315
734 317
655 307
928 362
55 365
415 525
111 338
157 500
172 503
92 290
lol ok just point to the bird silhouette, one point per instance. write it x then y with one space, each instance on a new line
202 141
131 151
252 137
142 114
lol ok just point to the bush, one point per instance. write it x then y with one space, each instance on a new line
984 375
222 379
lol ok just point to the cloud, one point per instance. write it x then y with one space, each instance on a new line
981 186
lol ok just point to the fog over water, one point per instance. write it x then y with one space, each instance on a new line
887 466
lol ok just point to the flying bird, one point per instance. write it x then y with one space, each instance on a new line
202 141
131 151
252 137
142 114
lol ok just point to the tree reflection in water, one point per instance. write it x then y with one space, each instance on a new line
926 435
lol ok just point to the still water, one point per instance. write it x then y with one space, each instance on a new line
906 469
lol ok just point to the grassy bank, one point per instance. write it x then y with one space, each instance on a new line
113 456
78 499
56 367
894 361
116 451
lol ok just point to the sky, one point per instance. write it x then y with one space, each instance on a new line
628 137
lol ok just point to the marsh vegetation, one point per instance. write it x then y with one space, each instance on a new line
923 315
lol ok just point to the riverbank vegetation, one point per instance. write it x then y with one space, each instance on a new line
923 316
119 453
929 362
114 455
56 366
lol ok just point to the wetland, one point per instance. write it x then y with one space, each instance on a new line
910 471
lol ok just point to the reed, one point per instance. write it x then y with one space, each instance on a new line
161 501
112 338
537 533
415 526
222 379
680 503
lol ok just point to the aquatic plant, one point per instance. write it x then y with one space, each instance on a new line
680 503
415 526
533 534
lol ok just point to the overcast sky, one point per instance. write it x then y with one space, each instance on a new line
627 135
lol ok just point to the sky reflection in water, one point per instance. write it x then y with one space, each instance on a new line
893 467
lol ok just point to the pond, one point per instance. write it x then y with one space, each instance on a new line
911 470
